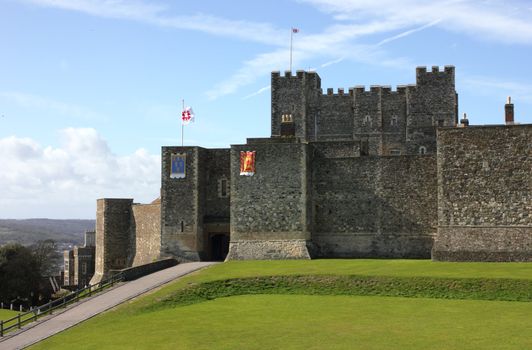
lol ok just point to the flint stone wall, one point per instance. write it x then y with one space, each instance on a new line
273 204
485 194
146 229
373 206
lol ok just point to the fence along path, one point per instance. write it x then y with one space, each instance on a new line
36 332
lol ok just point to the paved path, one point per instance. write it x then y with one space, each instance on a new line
95 305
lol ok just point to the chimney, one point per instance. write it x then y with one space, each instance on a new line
509 112
464 122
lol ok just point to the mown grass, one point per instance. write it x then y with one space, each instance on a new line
328 319
7 314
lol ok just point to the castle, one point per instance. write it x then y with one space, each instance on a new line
377 174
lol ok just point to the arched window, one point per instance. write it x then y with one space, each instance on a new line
422 150
367 120
393 121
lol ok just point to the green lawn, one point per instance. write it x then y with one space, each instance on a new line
312 321
7 314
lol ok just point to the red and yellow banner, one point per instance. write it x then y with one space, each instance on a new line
247 163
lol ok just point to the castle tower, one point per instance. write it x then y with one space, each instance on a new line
113 236
431 103
297 96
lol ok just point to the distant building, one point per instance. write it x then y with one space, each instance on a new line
79 263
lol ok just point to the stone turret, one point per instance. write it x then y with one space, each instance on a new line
297 96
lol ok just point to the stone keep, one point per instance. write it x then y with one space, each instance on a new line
363 173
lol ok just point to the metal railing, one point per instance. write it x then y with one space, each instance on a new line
47 309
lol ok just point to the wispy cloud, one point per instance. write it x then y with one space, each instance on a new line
259 66
355 20
519 91
35 102
408 32
258 92
159 15
485 20
330 63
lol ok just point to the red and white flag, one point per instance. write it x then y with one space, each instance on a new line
295 30
187 116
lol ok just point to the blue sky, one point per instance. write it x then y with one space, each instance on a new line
90 90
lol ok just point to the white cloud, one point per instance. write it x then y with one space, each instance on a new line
65 181
258 92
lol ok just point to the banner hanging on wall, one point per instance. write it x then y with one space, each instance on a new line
247 163
178 165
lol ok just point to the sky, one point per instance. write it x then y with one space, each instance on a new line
91 89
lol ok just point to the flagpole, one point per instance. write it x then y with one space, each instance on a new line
182 125
291 37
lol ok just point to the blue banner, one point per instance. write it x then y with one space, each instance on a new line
178 164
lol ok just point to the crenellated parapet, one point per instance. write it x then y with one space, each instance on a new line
385 120
435 75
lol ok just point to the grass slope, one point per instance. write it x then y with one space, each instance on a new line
316 322
7 314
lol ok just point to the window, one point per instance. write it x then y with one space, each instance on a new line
286 118
367 120
223 188
393 121
395 152
422 150
364 148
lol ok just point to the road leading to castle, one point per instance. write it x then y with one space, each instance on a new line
98 304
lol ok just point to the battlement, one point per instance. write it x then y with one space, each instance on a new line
387 89
340 92
435 75
288 74
310 78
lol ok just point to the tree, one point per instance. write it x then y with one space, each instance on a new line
47 257
19 274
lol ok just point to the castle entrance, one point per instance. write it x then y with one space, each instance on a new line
216 240
219 246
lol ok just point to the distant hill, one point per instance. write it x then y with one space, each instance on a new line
29 231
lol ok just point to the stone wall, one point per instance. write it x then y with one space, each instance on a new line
335 120
146 229
217 170
181 207
188 203
113 236
373 206
272 205
485 194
